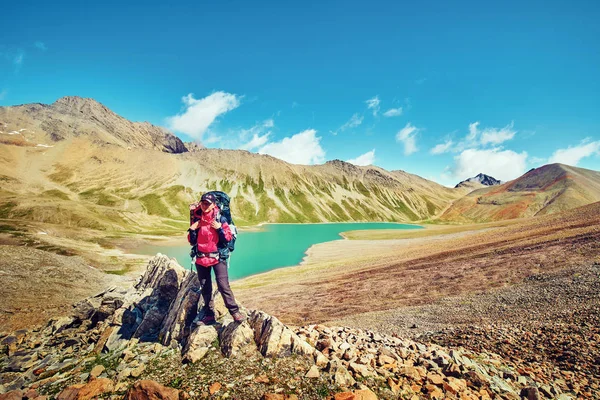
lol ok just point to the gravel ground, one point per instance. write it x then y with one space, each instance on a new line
549 326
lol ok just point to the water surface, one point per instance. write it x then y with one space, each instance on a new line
274 246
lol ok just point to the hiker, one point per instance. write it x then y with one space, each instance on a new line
209 238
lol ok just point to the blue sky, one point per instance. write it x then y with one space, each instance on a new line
441 89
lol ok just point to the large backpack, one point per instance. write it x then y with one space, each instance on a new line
223 201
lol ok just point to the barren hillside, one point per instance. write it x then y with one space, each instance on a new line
546 190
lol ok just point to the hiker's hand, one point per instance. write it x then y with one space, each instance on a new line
216 225
194 226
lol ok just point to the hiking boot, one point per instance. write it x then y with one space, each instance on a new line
238 316
204 320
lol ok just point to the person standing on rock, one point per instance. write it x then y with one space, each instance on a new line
209 237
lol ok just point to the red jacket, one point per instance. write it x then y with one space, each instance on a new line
207 238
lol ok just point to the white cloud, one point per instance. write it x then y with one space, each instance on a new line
393 112
572 155
40 45
472 131
373 104
301 148
199 114
353 122
501 164
442 147
3 94
256 141
407 136
269 123
496 136
364 159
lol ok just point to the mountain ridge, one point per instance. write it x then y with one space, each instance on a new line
73 116
96 169
545 190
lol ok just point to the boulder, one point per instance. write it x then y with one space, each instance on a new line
199 343
237 338
151 390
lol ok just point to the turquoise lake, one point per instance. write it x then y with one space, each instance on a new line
274 246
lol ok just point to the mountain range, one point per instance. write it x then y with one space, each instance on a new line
75 162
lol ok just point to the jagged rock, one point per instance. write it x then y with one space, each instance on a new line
360 369
235 338
341 376
22 361
90 390
274 339
151 390
182 312
313 372
95 388
86 309
70 393
142 313
60 324
199 342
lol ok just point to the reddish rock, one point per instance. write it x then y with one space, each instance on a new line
151 390
434 392
95 388
364 394
70 393
435 379
262 379
344 396
275 396
12 395
214 388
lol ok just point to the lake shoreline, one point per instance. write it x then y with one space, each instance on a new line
263 250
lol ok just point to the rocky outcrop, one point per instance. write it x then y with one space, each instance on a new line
121 335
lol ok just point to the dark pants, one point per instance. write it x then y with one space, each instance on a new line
222 283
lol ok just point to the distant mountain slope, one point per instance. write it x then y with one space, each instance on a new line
545 190
77 163
109 187
479 181
73 116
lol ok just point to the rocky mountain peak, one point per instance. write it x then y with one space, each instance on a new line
81 105
481 178
74 116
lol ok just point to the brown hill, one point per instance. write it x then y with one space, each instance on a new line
74 116
545 190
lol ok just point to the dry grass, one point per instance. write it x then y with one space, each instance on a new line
429 231
423 270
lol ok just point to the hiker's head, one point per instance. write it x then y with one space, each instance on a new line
207 202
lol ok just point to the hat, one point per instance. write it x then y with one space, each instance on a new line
208 197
